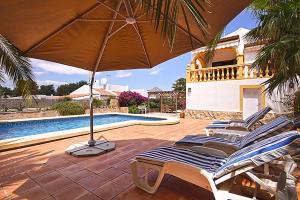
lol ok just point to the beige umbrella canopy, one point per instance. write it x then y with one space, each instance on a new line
99 35
106 35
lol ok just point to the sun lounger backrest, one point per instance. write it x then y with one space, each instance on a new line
256 117
248 119
260 152
272 128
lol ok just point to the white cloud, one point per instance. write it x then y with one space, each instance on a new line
40 73
57 68
50 82
154 71
123 74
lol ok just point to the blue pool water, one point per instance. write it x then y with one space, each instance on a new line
34 127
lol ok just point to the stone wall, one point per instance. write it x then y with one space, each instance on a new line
211 115
53 113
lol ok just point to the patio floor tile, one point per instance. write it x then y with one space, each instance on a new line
73 192
45 172
93 182
35 193
80 175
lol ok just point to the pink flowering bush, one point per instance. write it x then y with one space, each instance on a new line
128 98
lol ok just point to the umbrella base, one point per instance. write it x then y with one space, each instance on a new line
84 149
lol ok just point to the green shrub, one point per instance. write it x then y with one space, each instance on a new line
67 99
69 108
97 103
153 105
133 109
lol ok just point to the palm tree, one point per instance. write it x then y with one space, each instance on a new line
15 66
165 13
278 29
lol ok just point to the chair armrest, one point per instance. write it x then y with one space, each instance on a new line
227 148
209 151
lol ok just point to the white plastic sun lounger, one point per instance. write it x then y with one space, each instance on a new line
230 144
215 172
263 111
241 126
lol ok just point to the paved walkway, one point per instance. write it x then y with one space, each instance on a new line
46 172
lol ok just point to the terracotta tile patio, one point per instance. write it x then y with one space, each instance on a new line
46 172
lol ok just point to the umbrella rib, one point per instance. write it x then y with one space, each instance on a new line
136 28
116 31
100 20
180 27
63 27
112 9
101 51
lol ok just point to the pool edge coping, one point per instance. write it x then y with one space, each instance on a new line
19 142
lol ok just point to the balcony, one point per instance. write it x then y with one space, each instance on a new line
231 72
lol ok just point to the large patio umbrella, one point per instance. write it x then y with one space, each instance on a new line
99 35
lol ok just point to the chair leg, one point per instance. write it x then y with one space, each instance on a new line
142 182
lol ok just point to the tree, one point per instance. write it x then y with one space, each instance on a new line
6 92
47 90
128 98
278 29
29 85
68 88
165 15
15 66
179 85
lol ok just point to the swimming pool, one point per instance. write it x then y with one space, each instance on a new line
23 128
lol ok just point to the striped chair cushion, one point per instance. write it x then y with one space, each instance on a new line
200 140
274 127
209 163
256 117
260 152
248 122
217 126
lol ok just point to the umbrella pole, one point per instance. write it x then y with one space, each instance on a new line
91 141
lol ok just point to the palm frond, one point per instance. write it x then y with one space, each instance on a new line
278 29
211 48
14 65
165 13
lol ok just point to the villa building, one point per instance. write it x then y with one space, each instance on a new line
103 91
228 85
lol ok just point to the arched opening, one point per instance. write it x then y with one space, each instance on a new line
222 57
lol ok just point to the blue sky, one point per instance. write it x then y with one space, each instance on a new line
161 76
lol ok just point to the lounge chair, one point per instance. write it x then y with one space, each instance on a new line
231 144
241 126
211 170
247 120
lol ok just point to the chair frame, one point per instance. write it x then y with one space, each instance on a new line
220 187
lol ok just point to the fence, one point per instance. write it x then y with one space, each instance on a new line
20 104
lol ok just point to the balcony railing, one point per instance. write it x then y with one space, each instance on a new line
232 72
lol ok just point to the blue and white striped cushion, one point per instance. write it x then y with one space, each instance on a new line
260 152
276 126
209 163
257 154
250 121
200 140
217 126
247 123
